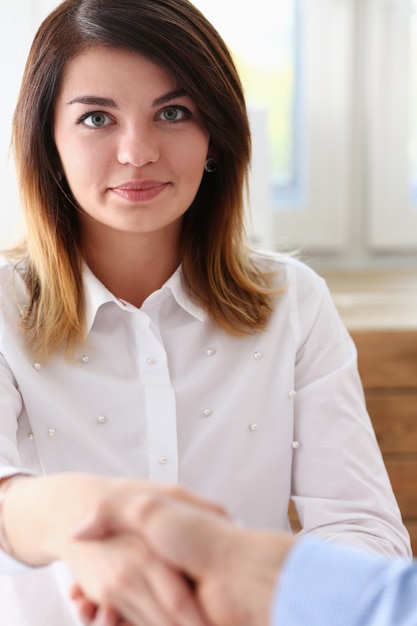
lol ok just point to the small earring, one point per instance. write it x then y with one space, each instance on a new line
210 165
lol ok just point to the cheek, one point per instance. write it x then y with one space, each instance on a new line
192 157
81 164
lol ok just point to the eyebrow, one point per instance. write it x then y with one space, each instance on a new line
94 100
171 95
110 103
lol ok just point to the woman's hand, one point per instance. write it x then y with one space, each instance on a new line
122 576
91 615
57 504
114 567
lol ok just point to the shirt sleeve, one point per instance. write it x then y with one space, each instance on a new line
324 584
340 485
10 408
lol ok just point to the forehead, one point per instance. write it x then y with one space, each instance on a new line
103 68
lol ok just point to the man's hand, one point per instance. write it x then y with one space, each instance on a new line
235 570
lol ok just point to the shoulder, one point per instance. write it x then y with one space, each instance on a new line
7 270
12 285
303 296
289 272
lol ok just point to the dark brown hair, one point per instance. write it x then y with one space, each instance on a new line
217 267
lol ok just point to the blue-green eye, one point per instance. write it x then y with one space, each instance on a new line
175 114
96 119
171 114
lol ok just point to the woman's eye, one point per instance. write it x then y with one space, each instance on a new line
175 114
96 119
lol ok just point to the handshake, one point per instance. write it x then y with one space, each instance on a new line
144 554
174 559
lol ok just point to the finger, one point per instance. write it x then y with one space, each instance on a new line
140 608
86 610
179 493
75 592
107 616
155 596
175 593
108 519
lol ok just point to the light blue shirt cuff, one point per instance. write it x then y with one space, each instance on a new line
321 584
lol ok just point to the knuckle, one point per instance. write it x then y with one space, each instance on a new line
172 491
148 505
177 601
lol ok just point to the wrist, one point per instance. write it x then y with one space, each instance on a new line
5 544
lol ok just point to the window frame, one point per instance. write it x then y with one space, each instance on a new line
320 221
392 214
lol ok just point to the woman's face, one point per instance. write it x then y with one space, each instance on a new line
131 142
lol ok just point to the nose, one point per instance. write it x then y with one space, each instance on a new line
137 146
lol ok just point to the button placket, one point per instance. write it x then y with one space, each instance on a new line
160 402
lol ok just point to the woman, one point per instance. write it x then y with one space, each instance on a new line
141 339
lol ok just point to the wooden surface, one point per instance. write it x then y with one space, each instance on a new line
376 300
388 367
380 310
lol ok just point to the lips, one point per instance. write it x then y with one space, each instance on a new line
139 191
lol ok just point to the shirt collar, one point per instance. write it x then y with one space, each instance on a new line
96 294
176 286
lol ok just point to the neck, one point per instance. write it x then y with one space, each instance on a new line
133 267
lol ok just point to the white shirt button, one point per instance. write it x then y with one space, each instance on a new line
37 366
295 444
163 460
151 360
30 435
207 412
51 432
85 359
257 355
210 351
293 393
253 427
102 419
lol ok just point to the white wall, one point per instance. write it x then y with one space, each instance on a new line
18 23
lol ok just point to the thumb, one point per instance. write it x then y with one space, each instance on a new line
188 537
98 525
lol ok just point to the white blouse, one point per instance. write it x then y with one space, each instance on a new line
160 392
